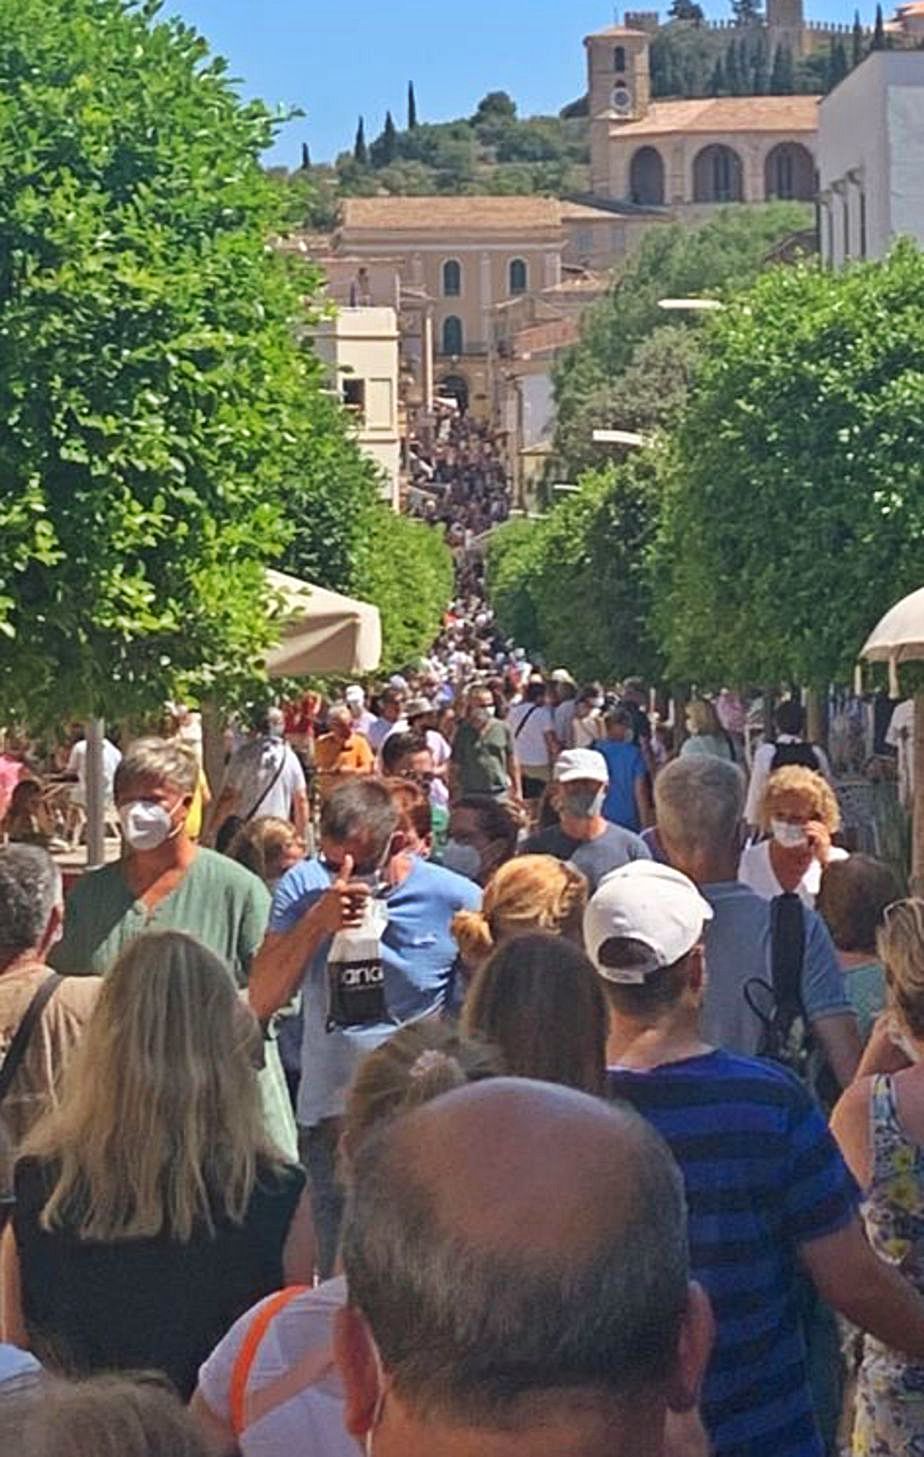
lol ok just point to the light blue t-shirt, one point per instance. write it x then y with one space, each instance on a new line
418 955
738 948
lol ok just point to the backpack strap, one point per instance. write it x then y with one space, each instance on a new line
23 1036
787 957
250 1345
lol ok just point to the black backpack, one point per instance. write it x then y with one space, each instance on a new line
786 1037
802 754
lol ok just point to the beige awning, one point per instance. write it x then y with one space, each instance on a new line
324 632
898 637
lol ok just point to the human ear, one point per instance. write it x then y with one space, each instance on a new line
694 1348
355 1358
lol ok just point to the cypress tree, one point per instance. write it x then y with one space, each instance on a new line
718 86
879 36
389 141
760 75
857 52
411 107
306 158
360 150
837 63
733 70
782 79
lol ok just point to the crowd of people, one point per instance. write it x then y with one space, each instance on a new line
458 479
482 1073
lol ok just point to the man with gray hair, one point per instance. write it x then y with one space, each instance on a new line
699 805
263 777
34 1046
518 1282
364 929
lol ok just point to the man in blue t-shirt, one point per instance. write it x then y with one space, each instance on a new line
362 861
767 1191
628 798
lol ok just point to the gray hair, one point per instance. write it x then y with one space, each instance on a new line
360 804
30 888
699 803
469 1331
158 761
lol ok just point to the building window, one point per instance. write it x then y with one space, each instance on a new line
354 398
619 59
717 176
646 178
452 278
789 173
452 335
518 276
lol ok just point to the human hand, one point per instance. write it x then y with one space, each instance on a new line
819 840
342 905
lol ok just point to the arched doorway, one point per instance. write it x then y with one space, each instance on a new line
789 173
718 175
456 387
646 177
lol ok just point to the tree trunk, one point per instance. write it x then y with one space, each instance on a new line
96 791
917 831
816 717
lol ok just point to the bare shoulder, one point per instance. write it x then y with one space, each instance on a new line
850 1126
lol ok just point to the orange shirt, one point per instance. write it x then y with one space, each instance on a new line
334 757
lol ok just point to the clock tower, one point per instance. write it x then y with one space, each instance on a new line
619 90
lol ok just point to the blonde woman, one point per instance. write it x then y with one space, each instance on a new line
799 811
271 1389
879 1124
151 1209
706 734
530 893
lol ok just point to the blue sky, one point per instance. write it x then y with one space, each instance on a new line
337 58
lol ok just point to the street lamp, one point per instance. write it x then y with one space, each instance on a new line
691 305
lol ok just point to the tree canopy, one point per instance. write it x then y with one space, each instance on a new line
794 507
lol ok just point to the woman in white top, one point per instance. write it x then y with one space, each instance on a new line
270 1388
800 813
533 728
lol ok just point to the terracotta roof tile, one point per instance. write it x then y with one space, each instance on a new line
540 338
718 114
461 214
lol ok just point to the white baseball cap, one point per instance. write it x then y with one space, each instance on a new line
649 903
574 764
354 694
560 675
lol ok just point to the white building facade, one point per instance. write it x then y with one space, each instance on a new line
359 346
871 158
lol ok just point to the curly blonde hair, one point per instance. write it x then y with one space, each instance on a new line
530 893
900 943
821 801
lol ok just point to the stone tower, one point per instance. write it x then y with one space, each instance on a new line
619 90
786 26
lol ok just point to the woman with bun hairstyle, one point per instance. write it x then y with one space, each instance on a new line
270 1389
530 893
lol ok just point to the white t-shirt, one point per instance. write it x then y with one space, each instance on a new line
761 771
77 764
900 736
757 872
585 731
529 724
254 767
564 717
299 1336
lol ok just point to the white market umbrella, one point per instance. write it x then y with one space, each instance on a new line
899 638
323 631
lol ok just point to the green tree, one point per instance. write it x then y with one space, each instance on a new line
760 68
360 150
411 107
686 10
306 158
782 76
794 508
857 42
733 74
746 12
405 568
879 35
152 389
837 64
496 106
718 85
384 149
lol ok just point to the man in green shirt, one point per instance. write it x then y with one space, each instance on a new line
484 759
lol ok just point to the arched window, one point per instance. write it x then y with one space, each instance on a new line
717 176
789 172
518 276
619 59
452 278
646 177
452 335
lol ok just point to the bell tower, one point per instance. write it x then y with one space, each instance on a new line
619 90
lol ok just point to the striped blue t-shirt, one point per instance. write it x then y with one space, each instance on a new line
763 1175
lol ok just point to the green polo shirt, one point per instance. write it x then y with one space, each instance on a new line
481 758
219 902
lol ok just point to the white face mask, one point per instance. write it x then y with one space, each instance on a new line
463 859
146 826
791 837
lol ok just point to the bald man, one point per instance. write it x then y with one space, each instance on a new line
516 1261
